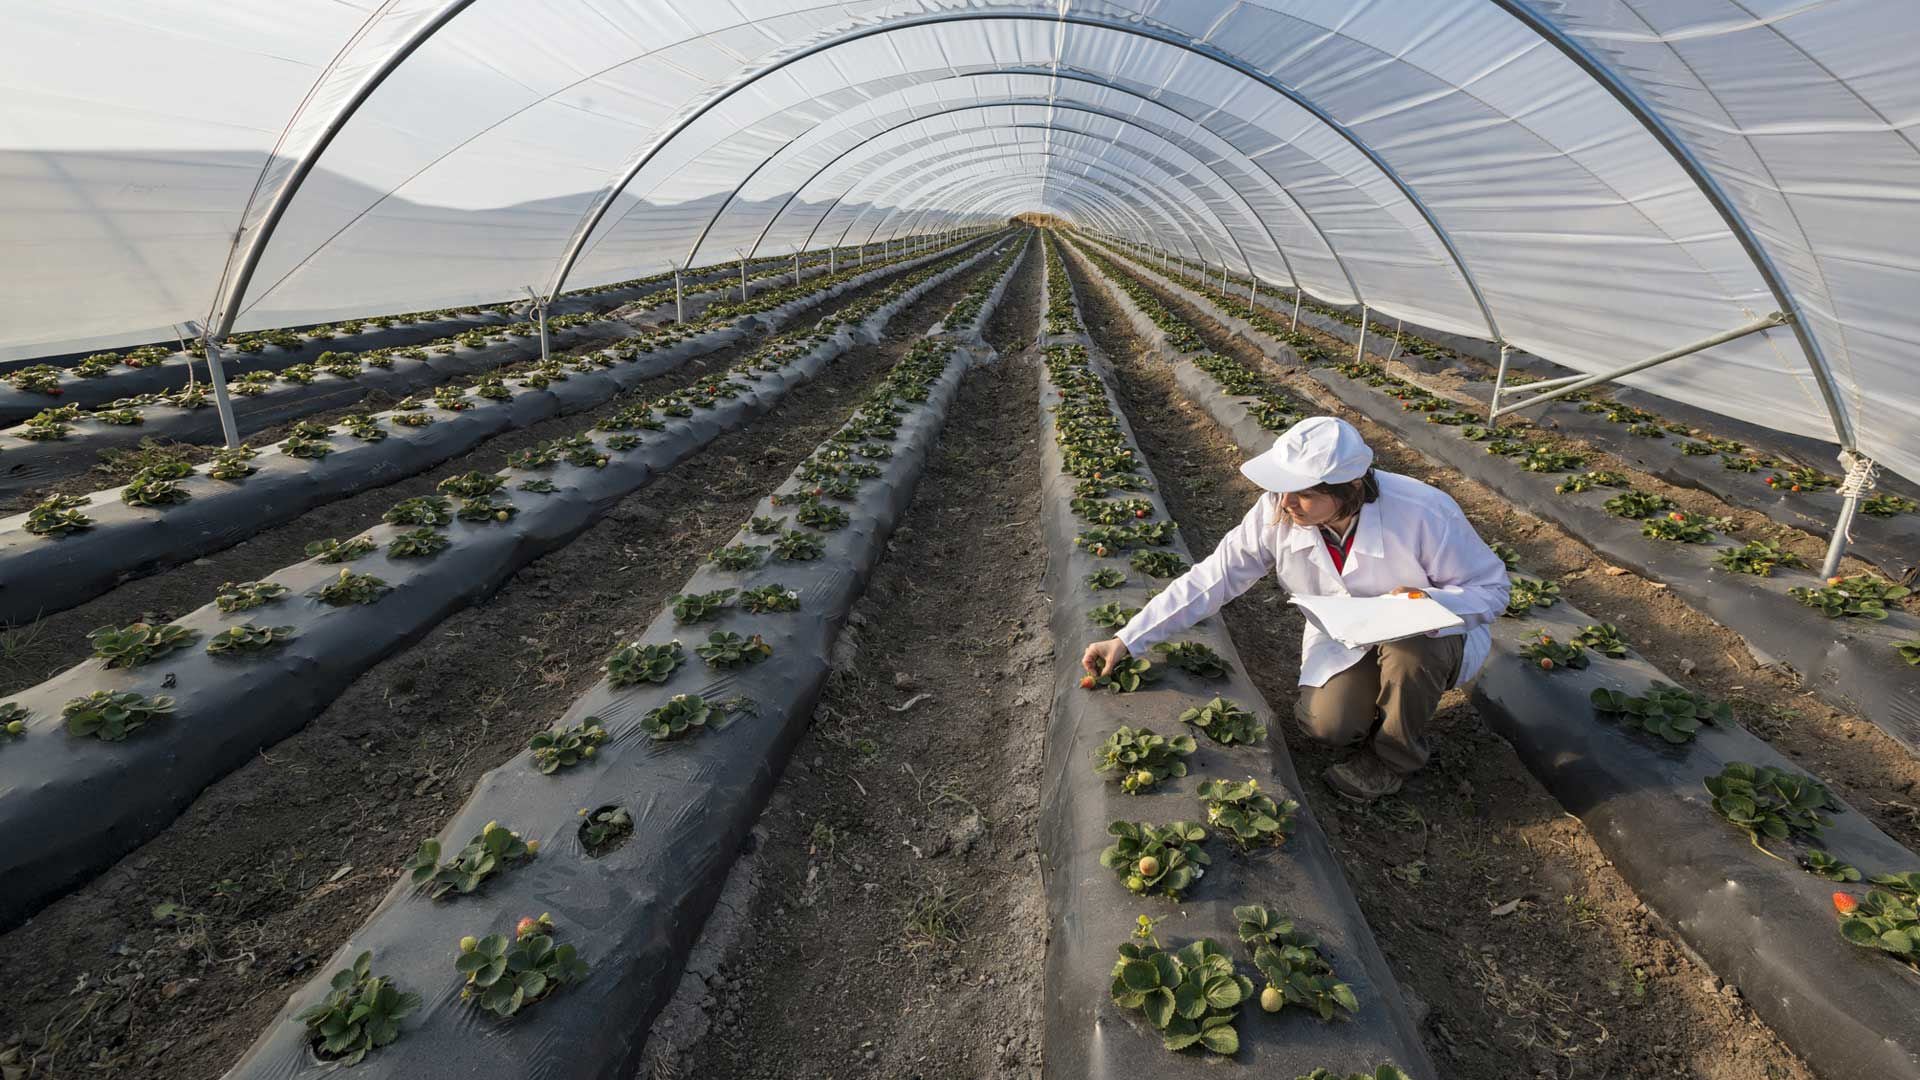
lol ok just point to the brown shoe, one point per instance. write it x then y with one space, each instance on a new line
1364 778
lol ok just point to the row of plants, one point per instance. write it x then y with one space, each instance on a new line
505 973
1864 595
466 510
55 424
168 481
1193 996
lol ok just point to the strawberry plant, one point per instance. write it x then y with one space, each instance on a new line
1679 525
725 649
112 715
1587 481
233 463
1665 710
1860 596
339 551
1551 459
301 446
1886 505
360 1014
362 427
411 419
1906 884
1246 814
1884 921
1529 593
471 485
1507 554
1225 722
634 663
1603 638
1506 447
817 515
351 588
563 748
138 643
1798 478
50 425
765 526
738 557
681 715
1104 578
1194 658
1125 677
797 547
1638 504
38 379
539 485
1191 997
1741 463
699 607
1822 865
451 399
1156 859
1111 616
58 515
1143 758
422 510
505 976
485 510
420 543
496 848
1646 431
235 640
1475 432
1105 512
13 720
1694 449
1757 557
247 595
769 598
158 485
1550 654
1909 651
1160 564
1770 802
1297 973
604 829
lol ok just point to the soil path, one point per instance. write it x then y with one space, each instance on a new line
277 864
1571 979
896 926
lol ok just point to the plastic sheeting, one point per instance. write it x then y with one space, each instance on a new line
1595 181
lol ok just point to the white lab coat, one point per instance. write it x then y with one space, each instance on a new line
1413 535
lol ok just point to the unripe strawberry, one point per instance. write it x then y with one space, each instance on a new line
526 926
500 515
1835 580
1149 867
15 727
533 847
1272 1000
469 943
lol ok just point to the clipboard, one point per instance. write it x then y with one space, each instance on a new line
1359 622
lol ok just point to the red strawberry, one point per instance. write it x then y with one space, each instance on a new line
1546 664
1086 682
1845 903
526 926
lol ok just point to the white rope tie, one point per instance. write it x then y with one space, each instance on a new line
1862 474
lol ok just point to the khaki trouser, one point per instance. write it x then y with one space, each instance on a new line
1391 694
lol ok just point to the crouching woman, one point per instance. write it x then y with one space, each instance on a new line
1331 524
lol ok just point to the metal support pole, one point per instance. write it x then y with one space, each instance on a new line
1499 383
1360 347
222 404
1223 277
1253 291
743 279
1295 328
679 298
796 267
1776 319
540 317
831 253
1837 546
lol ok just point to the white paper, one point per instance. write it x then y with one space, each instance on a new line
1360 621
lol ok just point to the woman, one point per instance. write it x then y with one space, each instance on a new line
1330 525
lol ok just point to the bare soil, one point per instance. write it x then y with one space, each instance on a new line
1575 980
1875 774
275 865
897 923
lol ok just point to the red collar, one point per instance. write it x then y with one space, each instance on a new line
1339 549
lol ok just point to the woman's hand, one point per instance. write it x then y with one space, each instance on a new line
1416 594
1102 655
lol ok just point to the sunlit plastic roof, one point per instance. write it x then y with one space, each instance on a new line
1595 181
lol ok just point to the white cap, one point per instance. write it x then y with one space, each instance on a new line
1317 450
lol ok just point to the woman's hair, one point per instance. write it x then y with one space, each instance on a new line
1352 494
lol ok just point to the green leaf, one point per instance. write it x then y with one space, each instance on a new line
1223 992
1189 1000
1159 1007
1221 1040
1139 975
